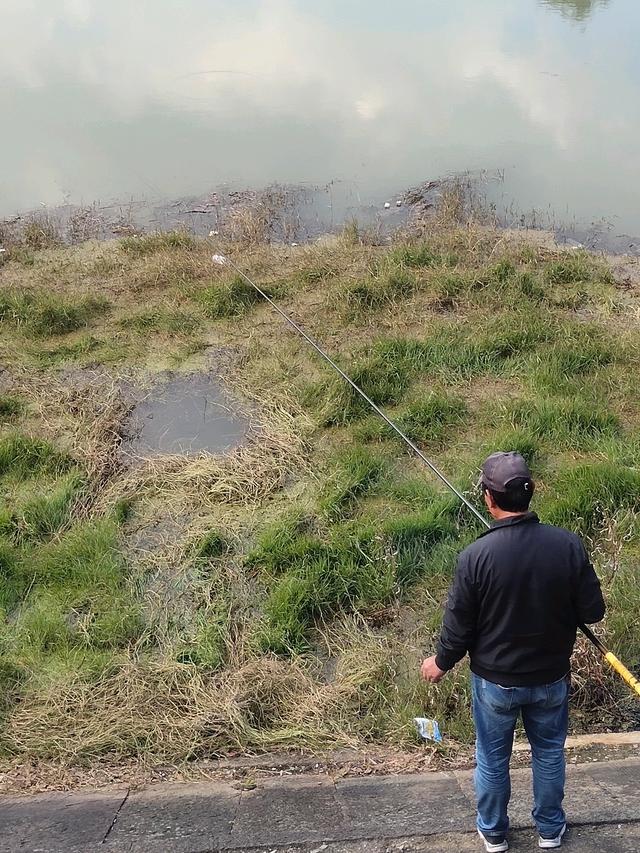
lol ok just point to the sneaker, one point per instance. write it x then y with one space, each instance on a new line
552 843
494 843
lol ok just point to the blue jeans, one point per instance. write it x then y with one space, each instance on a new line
545 714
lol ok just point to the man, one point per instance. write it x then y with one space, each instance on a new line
519 593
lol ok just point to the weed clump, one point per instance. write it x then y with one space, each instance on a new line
43 515
586 493
577 268
520 440
284 544
568 423
22 457
578 353
428 421
374 293
231 299
43 315
41 233
344 574
451 354
356 473
382 378
212 546
150 244
413 537
10 407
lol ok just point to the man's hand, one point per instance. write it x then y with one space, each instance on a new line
430 671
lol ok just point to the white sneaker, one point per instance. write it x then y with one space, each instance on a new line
494 843
552 843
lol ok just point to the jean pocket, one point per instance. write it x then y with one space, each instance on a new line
497 697
558 691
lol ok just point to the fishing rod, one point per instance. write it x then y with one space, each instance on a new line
223 260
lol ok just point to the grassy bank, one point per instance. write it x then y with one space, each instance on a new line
285 594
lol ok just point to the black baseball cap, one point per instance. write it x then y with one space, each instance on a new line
502 469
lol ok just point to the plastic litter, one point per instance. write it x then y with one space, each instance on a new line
220 260
428 729
213 233
387 205
399 203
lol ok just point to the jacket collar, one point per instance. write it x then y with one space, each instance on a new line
525 518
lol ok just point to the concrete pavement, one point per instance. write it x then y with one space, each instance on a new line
375 814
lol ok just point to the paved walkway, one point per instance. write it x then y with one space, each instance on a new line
388 814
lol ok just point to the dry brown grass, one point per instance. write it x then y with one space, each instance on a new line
175 711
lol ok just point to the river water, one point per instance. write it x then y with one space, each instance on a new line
159 99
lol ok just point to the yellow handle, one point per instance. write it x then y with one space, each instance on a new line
623 672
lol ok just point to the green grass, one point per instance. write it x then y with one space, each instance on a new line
419 255
343 574
356 473
433 420
228 299
413 538
576 268
372 293
521 441
212 546
581 351
10 407
23 457
586 493
284 544
574 424
454 353
384 380
42 315
42 515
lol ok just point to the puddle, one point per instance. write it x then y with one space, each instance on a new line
186 415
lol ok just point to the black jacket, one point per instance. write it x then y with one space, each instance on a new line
519 593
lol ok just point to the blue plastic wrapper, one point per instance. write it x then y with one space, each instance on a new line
428 729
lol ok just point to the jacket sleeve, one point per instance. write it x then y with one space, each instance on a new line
459 624
590 606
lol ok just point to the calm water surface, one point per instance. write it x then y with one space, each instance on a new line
164 98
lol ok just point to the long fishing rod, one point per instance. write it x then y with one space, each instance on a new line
223 260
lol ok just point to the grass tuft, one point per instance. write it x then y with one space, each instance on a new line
151 244
10 407
586 493
429 421
212 546
22 457
384 380
573 424
385 289
231 299
413 538
343 575
44 315
356 473
44 515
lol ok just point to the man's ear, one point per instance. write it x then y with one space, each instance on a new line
488 499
